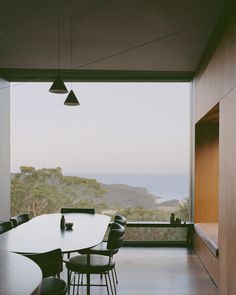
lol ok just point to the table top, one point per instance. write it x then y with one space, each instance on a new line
43 233
18 275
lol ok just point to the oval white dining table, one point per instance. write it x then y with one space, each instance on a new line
43 233
18 275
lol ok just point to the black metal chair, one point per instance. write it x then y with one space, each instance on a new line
102 249
99 264
51 266
5 226
78 210
19 219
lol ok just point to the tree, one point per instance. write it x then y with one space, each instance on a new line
184 208
27 170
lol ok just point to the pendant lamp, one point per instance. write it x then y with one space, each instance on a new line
71 99
58 85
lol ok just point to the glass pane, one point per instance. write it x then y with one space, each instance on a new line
124 150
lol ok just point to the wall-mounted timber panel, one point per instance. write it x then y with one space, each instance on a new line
216 76
209 261
215 82
227 200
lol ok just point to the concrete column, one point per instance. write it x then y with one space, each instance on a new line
5 177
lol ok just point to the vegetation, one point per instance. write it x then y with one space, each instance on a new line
47 190
184 209
44 191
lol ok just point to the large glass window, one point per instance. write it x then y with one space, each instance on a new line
125 149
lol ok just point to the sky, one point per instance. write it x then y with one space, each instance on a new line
118 128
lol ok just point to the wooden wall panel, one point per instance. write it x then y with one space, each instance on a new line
206 172
227 200
215 82
209 261
216 76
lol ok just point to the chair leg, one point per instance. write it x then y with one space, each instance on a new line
115 274
113 280
68 281
74 283
105 275
82 279
110 283
78 284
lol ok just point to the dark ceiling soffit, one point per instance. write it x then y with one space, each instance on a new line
28 75
226 16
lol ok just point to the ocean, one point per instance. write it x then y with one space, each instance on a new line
165 186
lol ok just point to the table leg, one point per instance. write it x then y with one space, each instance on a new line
88 275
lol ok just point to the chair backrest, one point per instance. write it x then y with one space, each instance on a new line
19 219
116 225
120 219
49 262
115 237
5 226
78 210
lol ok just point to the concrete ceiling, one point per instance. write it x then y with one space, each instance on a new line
164 36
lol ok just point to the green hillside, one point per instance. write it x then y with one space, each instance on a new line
48 190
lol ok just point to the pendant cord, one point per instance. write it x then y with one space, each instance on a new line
71 38
71 45
58 35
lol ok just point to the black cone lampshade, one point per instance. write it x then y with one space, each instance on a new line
71 100
58 86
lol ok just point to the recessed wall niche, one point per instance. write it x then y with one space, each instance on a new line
206 191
